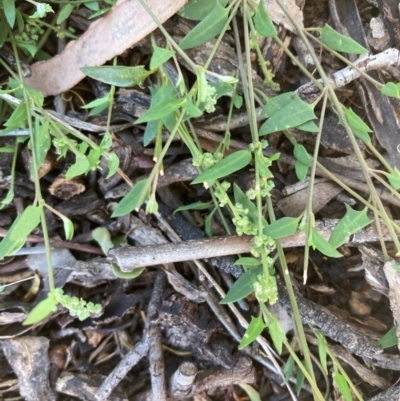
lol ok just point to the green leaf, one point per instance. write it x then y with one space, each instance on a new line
282 228
396 267
340 43
263 22
43 309
92 5
322 351
234 162
277 334
207 29
68 228
276 103
391 89
192 110
253 394
240 197
194 206
301 170
301 154
349 224
159 57
243 286
299 379
255 328
287 369
152 128
316 241
247 262
131 200
41 140
113 164
295 113
65 12
394 179
342 385
362 135
389 339
98 105
355 121
9 11
197 10
118 75
3 32
30 48
25 223
18 117
309 126
127 275
103 238
81 166
207 223
162 103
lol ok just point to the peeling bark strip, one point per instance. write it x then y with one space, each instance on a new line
124 25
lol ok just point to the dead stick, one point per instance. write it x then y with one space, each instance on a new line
129 258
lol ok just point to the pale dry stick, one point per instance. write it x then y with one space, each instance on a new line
140 350
365 63
129 258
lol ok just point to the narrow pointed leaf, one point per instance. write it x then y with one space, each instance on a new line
68 228
81 166
389 339
131 200
343 386
301 154
243 286
282 228
355 121
25 223
295 113
194 206
41 310
277 334
252 393
276 103
197 10
162 103
316 241
301 170
391 89
255 328
263 22
9 11
247 262
118 75
113 164
207 29
234 162
394 179
349 224
340 43
159 57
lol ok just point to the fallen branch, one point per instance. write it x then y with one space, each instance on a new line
129 258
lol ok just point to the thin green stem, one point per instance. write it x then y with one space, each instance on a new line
168 36
310 221
35 168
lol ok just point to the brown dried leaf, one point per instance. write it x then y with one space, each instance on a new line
125 25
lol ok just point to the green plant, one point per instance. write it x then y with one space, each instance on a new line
173 106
